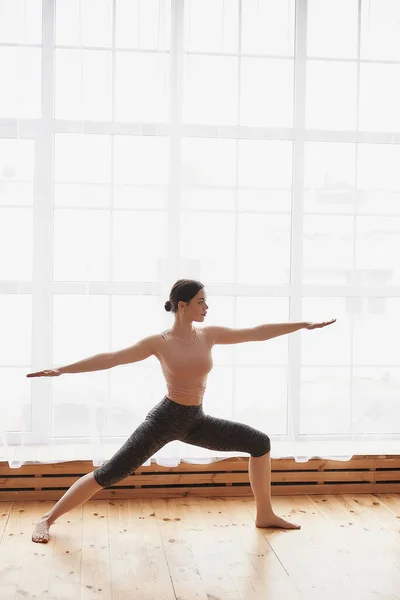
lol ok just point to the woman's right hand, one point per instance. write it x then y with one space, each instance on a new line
47 373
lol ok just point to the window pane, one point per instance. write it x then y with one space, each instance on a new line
80 327
15 399
263 249
213 200
20 75
83 85
375 340
140 159
329 177
208 162
82 170
379 97
216 17
133 318
261 398
78 404
132 196
378 249
253 311
138 245
379 188
84 22
331 95
266 92
325 405
327 249
335 341
82 158
332 28
267 201
375 402
16 244
141 87
256 158
143 24
16 329
210 94
380 29
268 27
210 239
121 413
73 195
21 22
16 172
87 258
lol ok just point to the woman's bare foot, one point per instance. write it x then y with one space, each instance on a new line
41 532
275 521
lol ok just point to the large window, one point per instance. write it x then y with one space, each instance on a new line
251 144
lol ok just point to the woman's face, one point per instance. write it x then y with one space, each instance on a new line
197 308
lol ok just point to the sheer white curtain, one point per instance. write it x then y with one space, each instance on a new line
250 144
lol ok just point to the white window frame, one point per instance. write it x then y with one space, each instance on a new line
42 288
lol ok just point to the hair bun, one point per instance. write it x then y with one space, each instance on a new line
168 305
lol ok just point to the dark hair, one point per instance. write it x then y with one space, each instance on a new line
182 290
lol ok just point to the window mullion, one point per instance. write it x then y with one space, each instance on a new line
171 267
296 263
42 334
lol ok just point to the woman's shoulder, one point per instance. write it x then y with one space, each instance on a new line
156 340
210 334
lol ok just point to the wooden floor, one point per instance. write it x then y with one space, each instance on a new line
205 548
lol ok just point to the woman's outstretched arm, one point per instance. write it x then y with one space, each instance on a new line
226 335
268 331
93 363
106 360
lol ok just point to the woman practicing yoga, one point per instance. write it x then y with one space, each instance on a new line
184 352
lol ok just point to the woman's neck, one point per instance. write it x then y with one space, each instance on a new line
183 331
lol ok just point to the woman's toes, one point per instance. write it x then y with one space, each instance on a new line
41 532
275 521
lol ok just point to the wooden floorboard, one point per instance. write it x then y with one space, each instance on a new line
200 548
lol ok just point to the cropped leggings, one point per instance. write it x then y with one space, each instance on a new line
168 421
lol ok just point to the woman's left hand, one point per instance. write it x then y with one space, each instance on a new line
318 325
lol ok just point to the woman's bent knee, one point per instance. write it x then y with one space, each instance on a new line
262 447
113 471
96 483
99 480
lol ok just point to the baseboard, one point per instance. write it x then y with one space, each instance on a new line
361 474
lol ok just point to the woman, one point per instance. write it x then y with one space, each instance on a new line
184 353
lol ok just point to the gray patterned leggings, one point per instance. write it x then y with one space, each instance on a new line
168 421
